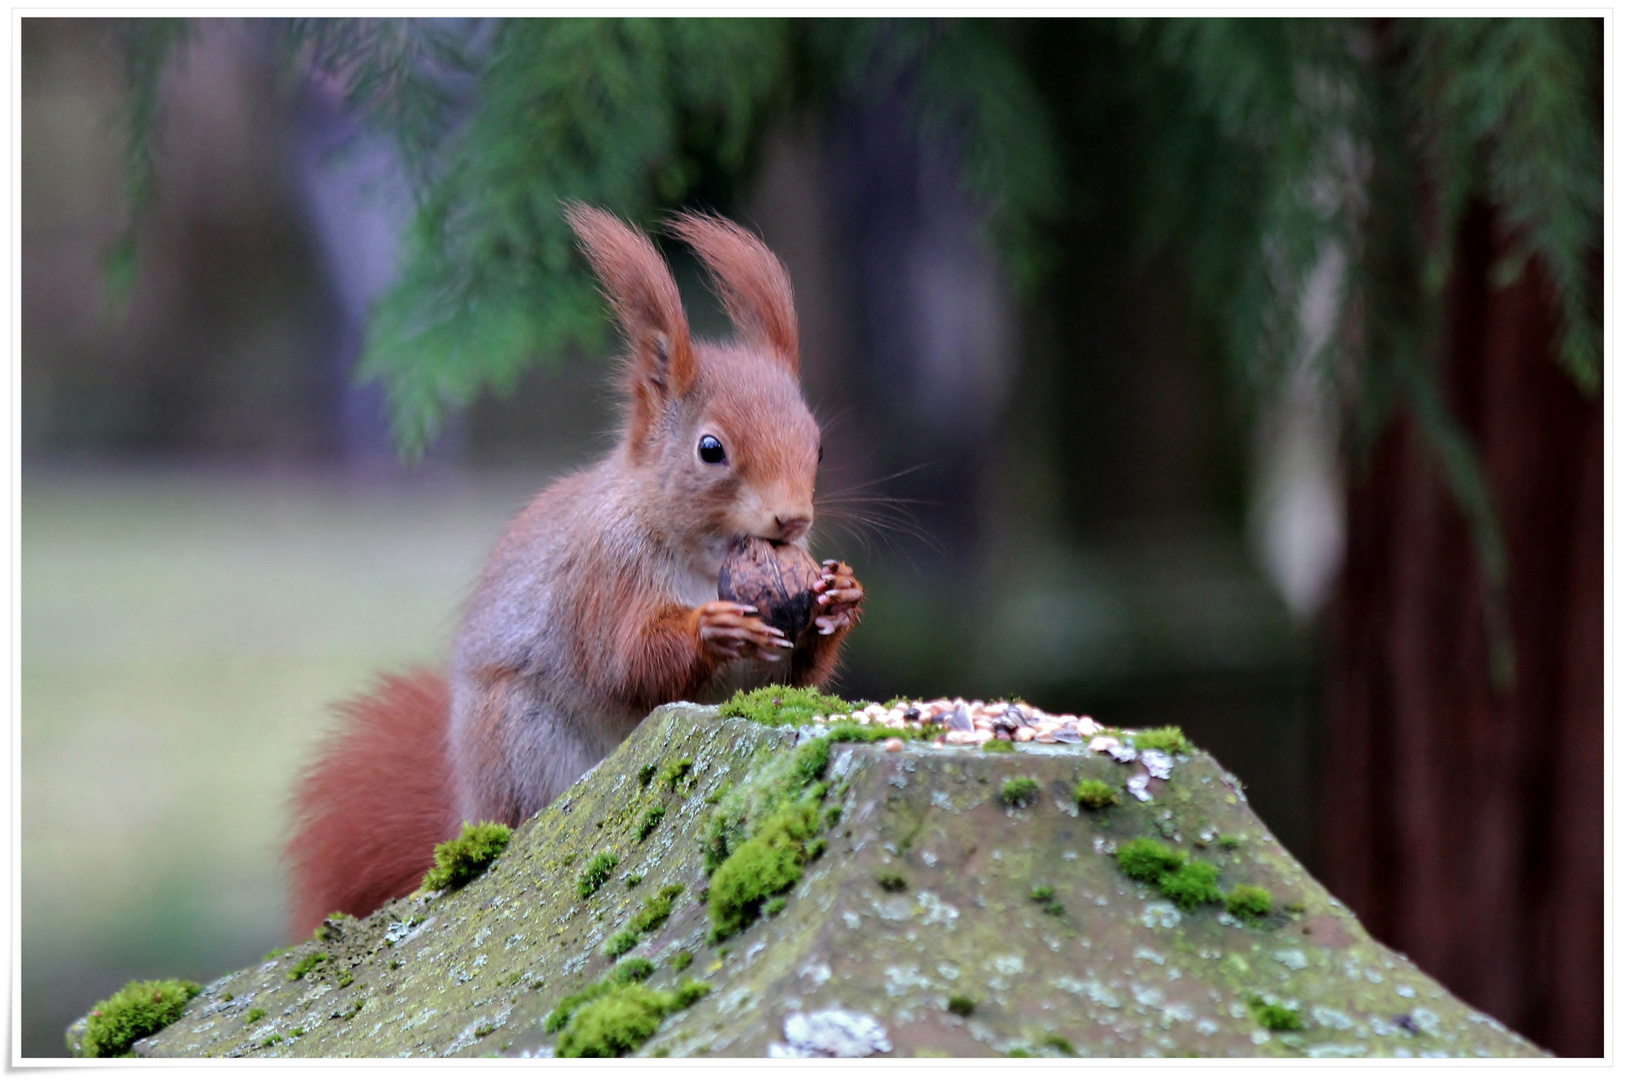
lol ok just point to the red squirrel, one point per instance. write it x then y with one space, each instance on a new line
600 601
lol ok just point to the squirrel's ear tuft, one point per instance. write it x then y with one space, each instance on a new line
640 288
750 280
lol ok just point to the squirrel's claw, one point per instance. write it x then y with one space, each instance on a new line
730 631
838 596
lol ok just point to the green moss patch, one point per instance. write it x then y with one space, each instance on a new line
1059 1045
676 772
790 706
1273 1016
1148 860
619 1022
1249 902
1019 792
596 873
763 832
1170 740
1192 885
776 780
138 1010
651 916
1045 897
651 821
809 762
332 928
628 971
460 861
892 882
617 1017
620 943
1188 885
306 965
960 1005
1095 795
656 909
766 864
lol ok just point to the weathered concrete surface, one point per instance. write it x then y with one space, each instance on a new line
1117 972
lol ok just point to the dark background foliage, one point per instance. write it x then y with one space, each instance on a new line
1123 332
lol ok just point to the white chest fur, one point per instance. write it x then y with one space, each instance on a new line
695 587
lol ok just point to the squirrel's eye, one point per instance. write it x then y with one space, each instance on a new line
711 451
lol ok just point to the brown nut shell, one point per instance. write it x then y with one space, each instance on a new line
776 579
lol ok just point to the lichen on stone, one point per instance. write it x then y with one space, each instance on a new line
845 959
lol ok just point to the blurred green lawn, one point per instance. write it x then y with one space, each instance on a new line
183 634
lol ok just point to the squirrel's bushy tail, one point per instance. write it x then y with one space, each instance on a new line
370 811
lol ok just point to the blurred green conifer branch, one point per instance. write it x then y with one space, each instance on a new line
148 46
1280 156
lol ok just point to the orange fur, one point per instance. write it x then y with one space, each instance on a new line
752 282
375 804
647 305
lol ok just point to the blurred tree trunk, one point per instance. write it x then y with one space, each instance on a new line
1462 822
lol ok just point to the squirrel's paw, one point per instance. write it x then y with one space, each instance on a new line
837 597
730 631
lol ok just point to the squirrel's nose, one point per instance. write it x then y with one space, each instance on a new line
792 526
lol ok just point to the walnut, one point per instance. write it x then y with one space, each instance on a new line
776 579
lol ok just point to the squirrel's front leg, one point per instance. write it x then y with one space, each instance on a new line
679 649
838 600
730 631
